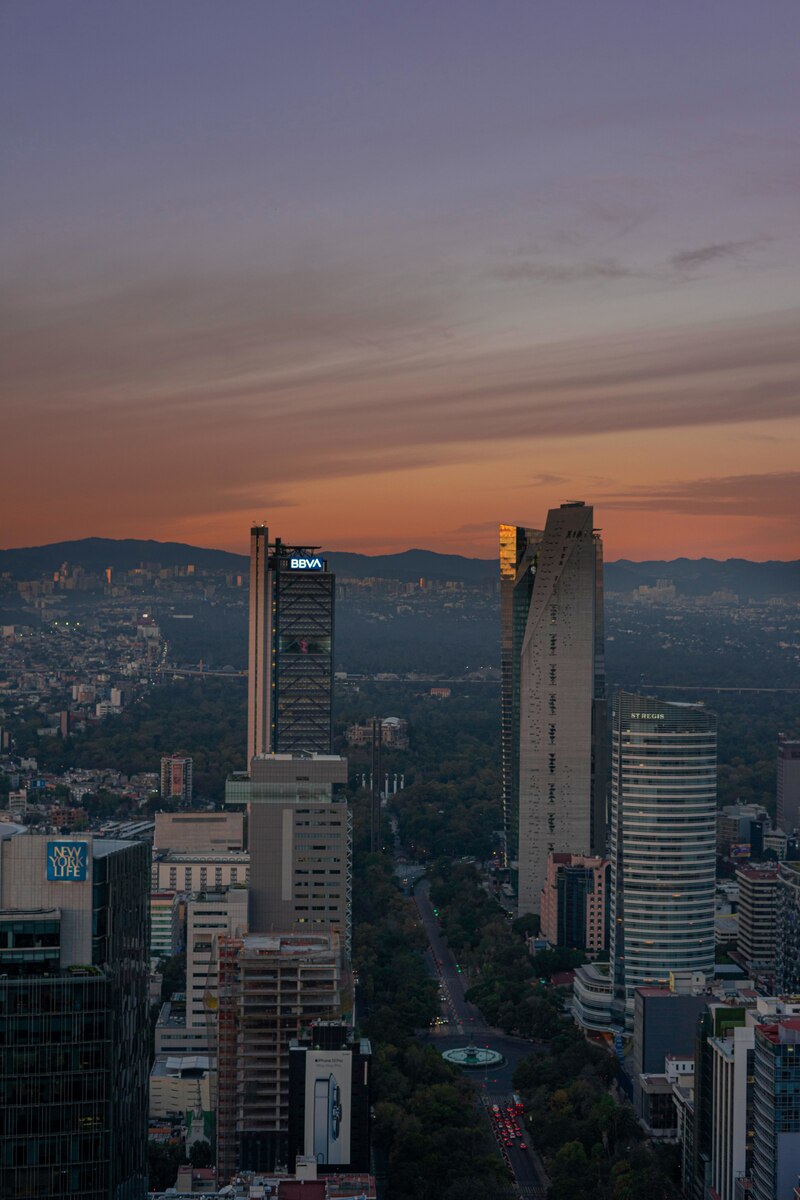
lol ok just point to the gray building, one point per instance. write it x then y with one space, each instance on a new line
300 839
562 706
73 1017
788 783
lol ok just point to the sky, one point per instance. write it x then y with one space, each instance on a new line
386 273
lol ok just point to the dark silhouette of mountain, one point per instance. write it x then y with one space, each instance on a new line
692 577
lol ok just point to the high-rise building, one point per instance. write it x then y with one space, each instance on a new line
788 783
176 777
329 1098
787 955
776 1110
518 547
272 987
663 833
73 1017
575 900
562 700
290 681
300 839
758 916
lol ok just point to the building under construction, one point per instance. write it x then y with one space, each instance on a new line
272 987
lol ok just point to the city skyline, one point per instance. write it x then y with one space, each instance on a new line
448 259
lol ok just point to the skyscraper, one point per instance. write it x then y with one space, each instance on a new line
561 697
663 842
300 837
73 1017
290 682
518 547
788 783
776 1110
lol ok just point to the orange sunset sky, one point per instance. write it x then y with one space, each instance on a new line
385 275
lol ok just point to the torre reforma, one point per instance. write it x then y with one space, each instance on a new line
562 705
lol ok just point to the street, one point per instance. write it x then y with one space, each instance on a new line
467 1024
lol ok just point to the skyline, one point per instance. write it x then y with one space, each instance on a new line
401 272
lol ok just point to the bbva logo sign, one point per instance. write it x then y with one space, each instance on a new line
305 564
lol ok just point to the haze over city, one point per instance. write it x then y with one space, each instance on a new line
401 271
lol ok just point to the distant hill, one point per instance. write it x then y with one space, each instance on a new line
692 577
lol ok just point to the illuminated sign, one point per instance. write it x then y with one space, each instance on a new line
67 861
305 564
647 717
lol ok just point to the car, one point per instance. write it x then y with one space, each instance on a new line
522 1146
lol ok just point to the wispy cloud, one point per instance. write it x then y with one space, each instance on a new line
689 261
776 496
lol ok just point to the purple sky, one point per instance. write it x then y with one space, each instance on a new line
402 270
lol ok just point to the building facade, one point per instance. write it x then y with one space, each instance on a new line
663 833
73 1017
776 1110
330 1096
164 925
787 953
272 988
575 902
176 777
788 783
758 916
562 785
199 871
204 832
300 838
518 547
290 680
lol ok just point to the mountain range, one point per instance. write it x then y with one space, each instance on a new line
692 577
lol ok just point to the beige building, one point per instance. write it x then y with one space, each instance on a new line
164 924
209 916
198 871
300 843
199 831
179 1081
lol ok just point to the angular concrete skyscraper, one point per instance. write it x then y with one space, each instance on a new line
290 682
562 706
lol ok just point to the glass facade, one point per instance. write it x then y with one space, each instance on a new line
663 842
73 1042
302 656
518 548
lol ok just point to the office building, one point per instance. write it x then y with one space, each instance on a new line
300 838
330 1078
732 1053
575 900
740 831
664 1025
663 831
187 1024
176 778
199 870
290 680
562 784
73 1017
518 547
788 783
787 951
758 917
272 987
165 930
776 1110
205 832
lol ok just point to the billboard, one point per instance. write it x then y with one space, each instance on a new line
328 1105
67 861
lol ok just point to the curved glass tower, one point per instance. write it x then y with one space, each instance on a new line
663 842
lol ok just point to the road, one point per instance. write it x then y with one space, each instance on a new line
467 1023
